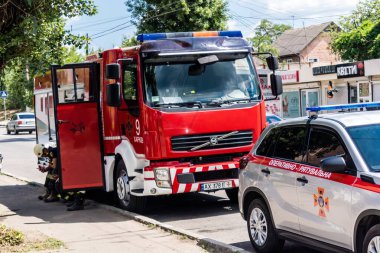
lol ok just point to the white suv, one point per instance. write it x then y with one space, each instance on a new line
316 181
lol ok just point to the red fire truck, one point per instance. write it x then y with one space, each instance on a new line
172 115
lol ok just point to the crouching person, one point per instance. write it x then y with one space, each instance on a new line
47 162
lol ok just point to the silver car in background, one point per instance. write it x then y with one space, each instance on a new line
21 122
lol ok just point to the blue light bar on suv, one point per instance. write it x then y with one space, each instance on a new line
158 36
342 107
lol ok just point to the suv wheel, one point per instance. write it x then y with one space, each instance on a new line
371 242
8 131
261 230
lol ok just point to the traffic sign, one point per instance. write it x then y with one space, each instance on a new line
3 94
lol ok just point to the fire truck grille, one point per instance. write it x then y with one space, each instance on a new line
187 142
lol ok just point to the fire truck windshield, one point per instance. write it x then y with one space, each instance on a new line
183 81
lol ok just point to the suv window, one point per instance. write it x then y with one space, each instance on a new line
323 144
290 143
267 145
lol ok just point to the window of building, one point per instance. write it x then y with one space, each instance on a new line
289 60
312 60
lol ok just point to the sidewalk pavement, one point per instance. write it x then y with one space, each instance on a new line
94 229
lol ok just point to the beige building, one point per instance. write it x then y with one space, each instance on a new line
307 45
313 75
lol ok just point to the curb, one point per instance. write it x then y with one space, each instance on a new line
203 241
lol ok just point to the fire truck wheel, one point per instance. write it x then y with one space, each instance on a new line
127 201
232 194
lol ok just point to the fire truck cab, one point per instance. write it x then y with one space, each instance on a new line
172 115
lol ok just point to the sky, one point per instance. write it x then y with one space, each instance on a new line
112 23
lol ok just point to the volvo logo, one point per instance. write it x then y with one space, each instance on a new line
214 140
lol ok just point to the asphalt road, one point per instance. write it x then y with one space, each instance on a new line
211 215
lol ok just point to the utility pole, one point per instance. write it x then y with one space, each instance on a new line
86 44
293 20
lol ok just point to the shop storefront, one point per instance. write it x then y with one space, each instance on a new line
356 82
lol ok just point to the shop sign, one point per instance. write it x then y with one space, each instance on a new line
350 70
289 76
271 106
324 70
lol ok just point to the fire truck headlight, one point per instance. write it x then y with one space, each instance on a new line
162 174
162 177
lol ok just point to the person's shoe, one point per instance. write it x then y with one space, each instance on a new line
43 197
70 203
51 198
76 206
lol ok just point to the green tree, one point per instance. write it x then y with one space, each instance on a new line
129 42
178 15
358 37
32 37
34 29
265 35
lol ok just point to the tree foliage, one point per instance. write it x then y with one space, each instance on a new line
129 42
359 35
265 35
34 29
32 37
178 15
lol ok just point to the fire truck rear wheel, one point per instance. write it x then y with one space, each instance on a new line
232 194
126 200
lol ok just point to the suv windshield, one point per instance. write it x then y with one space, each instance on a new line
367 140
182 80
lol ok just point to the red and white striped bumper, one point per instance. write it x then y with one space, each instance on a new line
177 187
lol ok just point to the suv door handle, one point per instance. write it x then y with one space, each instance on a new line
303 180
266 171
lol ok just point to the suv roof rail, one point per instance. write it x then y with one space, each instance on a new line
342 106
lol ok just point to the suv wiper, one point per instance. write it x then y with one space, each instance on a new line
180 104
229 101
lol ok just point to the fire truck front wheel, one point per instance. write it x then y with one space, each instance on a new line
126 200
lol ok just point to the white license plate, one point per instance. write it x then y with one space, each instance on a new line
216 186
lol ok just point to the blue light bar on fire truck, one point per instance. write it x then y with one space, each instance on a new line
342 107
158 36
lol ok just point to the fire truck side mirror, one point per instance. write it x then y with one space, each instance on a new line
113 71
272 63
113 95
276 84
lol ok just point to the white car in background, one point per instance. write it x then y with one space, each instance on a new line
21 122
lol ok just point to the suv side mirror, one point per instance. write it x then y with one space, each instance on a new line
335 164
272 63
276 84
112 71
113 95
